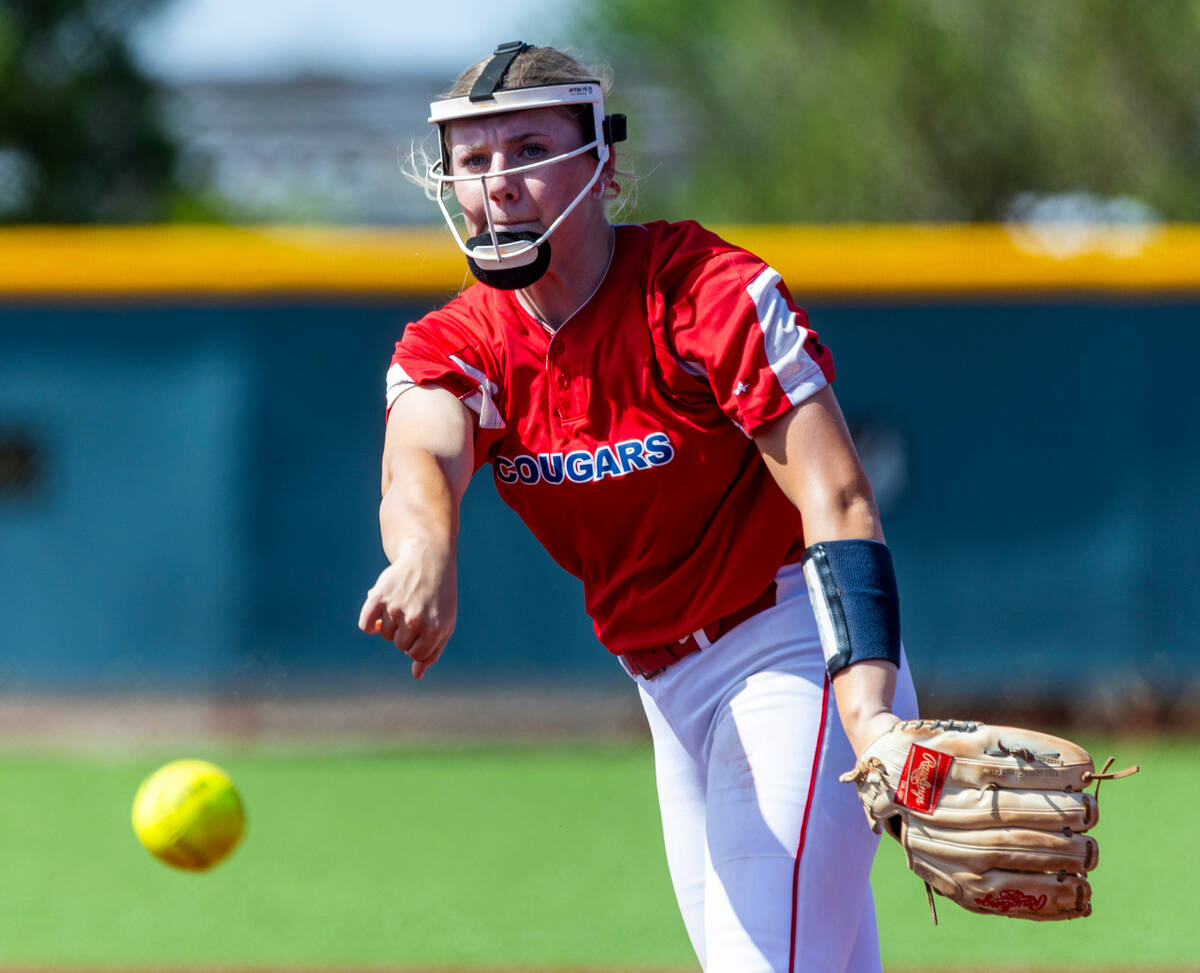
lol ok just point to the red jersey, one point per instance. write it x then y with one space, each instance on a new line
622 439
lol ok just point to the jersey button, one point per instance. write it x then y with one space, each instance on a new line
564 382
556 350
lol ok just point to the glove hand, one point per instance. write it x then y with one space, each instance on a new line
992 817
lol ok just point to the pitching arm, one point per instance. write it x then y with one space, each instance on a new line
428 460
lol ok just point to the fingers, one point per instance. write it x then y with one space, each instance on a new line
377 618
421 639
426 649
401 632
421 666
372 611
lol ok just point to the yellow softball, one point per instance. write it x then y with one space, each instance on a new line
188 814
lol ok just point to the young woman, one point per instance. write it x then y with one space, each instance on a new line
657 410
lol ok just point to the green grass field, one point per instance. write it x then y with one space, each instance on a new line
500 857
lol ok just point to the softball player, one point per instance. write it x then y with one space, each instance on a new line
658 411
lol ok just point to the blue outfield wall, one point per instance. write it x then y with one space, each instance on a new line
191 494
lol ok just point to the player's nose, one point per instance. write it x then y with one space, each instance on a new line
502 187
501 182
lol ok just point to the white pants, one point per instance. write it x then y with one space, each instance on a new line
770 855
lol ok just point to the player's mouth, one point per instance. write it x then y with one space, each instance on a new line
519 228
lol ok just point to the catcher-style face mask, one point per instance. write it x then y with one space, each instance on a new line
503 259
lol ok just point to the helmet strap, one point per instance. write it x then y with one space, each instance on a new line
492 75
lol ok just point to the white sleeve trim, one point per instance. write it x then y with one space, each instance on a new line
398 382
481 401
784 338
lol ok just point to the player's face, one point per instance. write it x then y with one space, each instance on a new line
529 200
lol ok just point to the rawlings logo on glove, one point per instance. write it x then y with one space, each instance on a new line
1007 899
991 817
921 783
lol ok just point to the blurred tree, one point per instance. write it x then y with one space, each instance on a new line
80 140
881 110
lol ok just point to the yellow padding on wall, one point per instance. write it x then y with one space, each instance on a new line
815 260
964 259
169 260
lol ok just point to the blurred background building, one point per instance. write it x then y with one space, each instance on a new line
309 149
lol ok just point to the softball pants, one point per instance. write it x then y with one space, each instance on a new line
769 854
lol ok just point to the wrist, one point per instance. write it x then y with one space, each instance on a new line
864 693
870 729
421 548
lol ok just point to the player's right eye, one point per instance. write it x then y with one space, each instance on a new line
473 162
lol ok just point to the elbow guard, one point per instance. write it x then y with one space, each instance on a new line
852 587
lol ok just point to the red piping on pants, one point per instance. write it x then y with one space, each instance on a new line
812 786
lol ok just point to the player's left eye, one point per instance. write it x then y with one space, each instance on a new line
533 150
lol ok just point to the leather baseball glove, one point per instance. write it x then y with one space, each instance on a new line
992 817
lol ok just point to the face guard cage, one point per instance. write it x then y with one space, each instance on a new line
606 129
